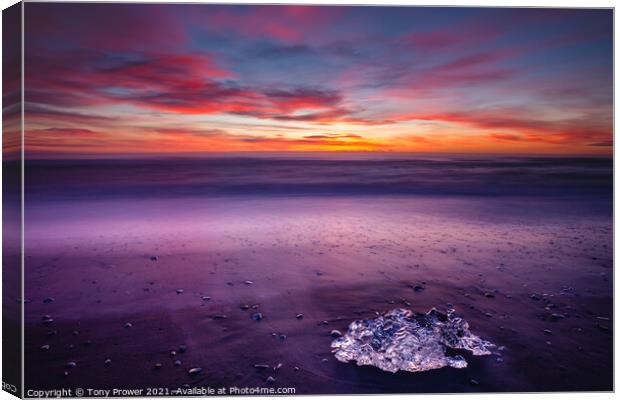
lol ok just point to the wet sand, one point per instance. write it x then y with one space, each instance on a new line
505 263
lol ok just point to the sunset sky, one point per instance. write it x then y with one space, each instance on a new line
144 78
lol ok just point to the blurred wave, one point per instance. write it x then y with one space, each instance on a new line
276 176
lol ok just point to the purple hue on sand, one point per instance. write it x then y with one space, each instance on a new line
506 263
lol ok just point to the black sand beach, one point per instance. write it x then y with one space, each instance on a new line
128 261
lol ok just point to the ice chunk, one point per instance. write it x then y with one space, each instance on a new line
402 340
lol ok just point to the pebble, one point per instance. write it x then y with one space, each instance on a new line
245 307
271 379
489 295
261 366
335 333
179 291
45 347
296 368
277 367
548 332
257 316
107 361
154 258
47 319
218 316
48 300
194 371
474 382
418 288
248 282
157 366
173 353
299 316
52 333
206 298
182 348
128 325
71 364
556 317
282 337
535 297
75 333
177 363
603 328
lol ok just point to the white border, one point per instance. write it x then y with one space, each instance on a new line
478 3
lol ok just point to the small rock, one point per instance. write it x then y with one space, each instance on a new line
299 316
45 347
154 258
128 325
271 379
257 316
474 382
219 316
282 337
179 291
295 368
75 333
277 367
248 282
603 328
173 353
261 366
71 364
245 307
48 300
418 288
556 317
157 366
206 298
324 360
548 332
107 361
177 362
52 333
489 295
182 348
335 333
535 297
194 371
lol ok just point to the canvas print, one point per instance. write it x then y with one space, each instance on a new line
293 200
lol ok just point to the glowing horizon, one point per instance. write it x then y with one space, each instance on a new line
175 79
